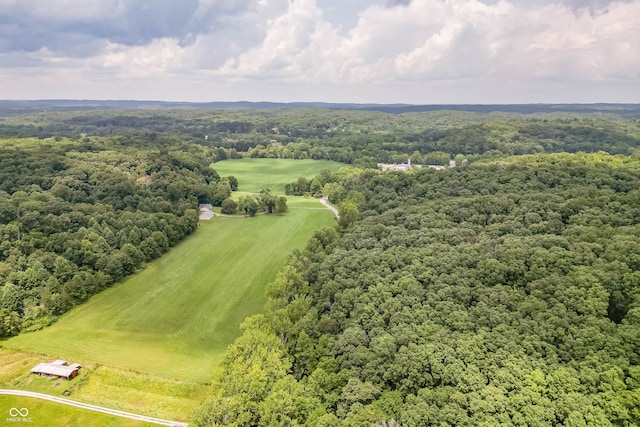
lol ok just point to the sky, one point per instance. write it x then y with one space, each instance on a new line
361 51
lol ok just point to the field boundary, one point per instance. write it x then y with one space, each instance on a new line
90 407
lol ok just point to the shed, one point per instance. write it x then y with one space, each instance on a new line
206 212
57 368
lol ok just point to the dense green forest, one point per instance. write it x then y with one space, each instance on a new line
361 138
505 292
76 216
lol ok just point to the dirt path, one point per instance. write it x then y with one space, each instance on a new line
93 407
325 202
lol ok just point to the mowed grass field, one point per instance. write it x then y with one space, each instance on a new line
175 318
49 414
257 174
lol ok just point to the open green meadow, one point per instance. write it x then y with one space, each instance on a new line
175 318
149 344
256 174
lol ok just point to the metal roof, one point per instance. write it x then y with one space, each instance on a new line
206 214
54 369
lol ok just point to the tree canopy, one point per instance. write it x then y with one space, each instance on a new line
505 292
77 216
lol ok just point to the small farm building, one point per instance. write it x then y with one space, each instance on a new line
57 368
206 212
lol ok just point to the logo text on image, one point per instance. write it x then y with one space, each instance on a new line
18 415
22 412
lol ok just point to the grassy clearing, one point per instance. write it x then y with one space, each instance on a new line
295 202
50 414
256 174
175 318
14 363
142 393
148 345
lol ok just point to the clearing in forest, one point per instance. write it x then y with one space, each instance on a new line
257 174
175 318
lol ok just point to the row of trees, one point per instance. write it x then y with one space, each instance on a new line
503 293
266 202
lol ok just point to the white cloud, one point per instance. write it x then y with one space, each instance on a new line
432 40
437 45
230 33
588 46
296 42
60 11
158 57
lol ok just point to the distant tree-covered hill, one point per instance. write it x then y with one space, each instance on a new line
360 137
8 107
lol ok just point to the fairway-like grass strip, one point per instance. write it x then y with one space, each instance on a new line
257 174
175 318
149 345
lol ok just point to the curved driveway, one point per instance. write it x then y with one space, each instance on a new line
93 407
325 202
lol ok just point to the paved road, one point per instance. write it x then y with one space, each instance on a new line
93 407
325 202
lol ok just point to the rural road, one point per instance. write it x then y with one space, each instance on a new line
93 407
325 202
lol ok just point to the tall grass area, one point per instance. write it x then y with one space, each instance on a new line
175 318
14 374
106 386
257 174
